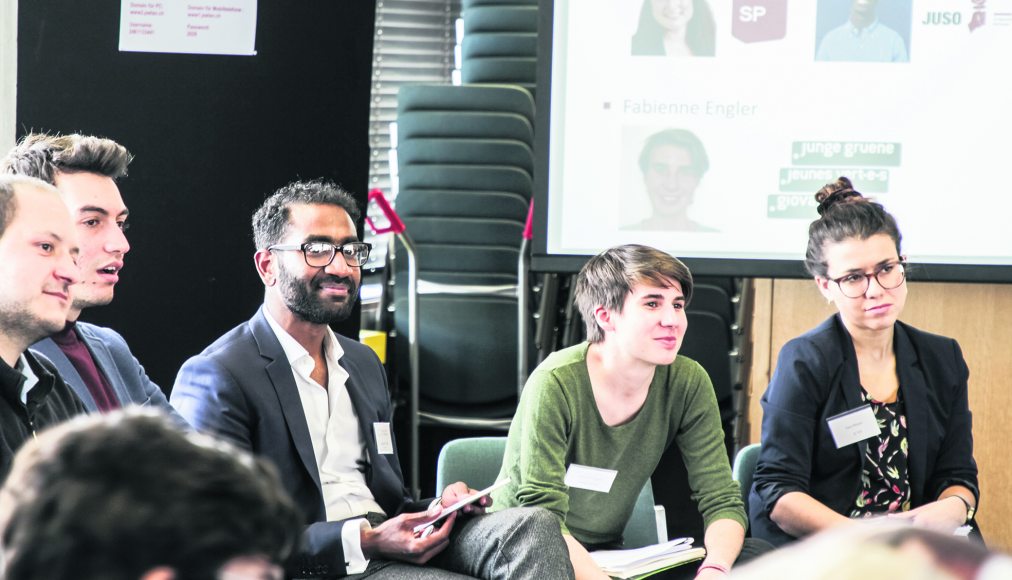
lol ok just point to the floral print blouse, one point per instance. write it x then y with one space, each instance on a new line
885 484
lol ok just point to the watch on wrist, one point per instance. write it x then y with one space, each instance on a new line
970 510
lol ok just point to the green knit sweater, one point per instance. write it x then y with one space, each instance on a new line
558 424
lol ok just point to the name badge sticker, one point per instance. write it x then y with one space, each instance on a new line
592 478
384 441
852 426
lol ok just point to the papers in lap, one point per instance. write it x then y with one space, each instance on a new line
641 562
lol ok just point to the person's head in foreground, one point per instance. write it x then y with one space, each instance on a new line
880 548
127 495
854 254
633 297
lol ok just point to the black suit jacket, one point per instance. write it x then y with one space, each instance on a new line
816 378
242 388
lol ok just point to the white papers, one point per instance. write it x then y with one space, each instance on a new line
188 26
633 563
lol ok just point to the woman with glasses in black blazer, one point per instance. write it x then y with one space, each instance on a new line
864 415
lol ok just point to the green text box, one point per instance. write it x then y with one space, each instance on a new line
811 179
846 153
791 206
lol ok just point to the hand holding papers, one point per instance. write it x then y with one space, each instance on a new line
427 527
643 562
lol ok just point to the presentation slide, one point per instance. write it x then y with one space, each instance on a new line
704 127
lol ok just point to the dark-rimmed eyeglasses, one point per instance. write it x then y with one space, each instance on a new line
855 285
321 254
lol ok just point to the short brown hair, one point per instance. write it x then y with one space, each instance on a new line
8 201
42 156
608 277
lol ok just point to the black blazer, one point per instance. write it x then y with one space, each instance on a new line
242 389
816 378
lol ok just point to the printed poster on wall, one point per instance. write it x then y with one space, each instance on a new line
188 26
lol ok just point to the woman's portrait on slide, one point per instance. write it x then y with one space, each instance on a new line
675 28
671 164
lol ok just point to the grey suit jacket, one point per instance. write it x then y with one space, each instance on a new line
113 357
242 388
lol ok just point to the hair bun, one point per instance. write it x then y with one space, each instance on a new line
833 193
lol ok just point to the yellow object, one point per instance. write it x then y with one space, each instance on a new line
375 340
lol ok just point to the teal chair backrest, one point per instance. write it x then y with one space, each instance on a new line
641 529
744 470
477 460
474 460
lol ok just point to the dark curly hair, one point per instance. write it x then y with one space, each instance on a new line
271 220
112 496
845 213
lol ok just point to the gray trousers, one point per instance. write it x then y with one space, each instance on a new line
517 543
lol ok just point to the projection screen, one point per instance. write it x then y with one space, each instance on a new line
704 127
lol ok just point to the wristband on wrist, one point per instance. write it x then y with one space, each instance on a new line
970 510
717 567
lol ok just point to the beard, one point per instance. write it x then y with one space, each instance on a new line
301 298
20 323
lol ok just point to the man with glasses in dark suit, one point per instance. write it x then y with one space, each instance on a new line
286 387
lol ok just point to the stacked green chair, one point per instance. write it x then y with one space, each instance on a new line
500 42
464 165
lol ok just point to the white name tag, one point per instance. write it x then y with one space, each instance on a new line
853 426
384 441
592 478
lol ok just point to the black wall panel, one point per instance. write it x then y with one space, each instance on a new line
212 135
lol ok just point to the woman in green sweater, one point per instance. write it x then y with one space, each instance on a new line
595 418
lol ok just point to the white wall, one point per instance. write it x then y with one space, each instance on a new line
8 72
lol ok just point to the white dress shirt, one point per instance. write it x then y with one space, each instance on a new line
337 440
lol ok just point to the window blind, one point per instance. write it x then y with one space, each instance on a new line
413 43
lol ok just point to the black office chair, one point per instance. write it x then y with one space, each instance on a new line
708 342
707 298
